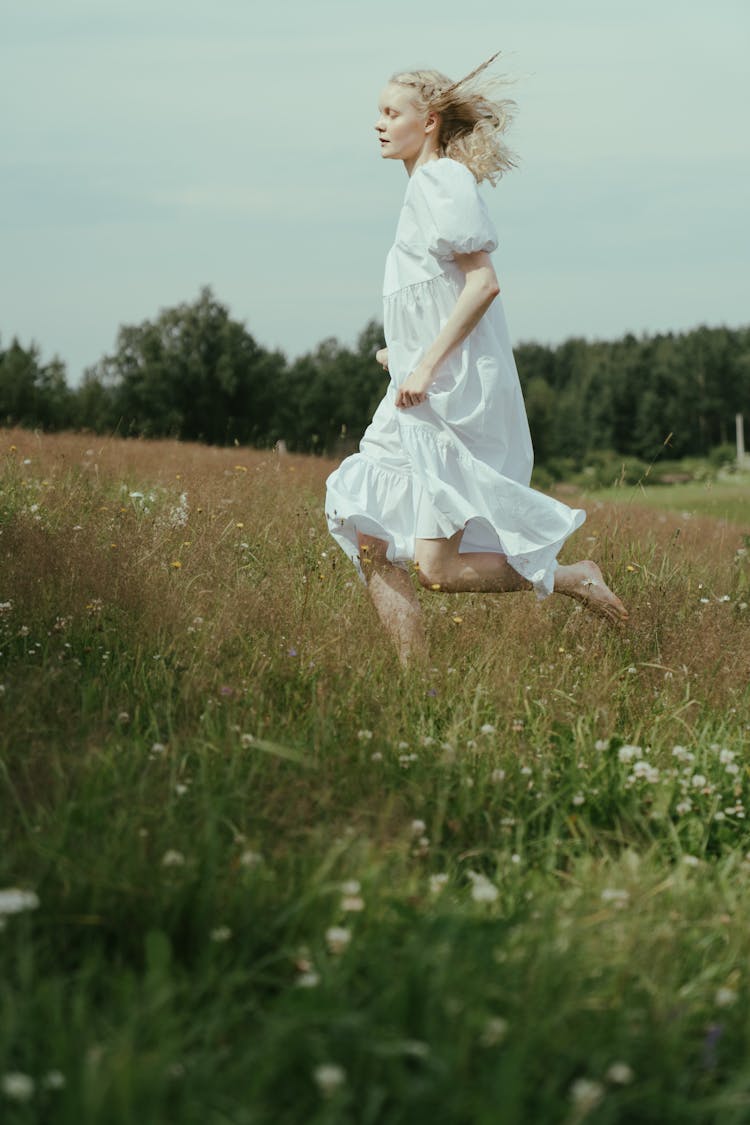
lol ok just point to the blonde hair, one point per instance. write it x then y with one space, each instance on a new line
472 117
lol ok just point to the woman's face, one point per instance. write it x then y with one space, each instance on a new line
401 129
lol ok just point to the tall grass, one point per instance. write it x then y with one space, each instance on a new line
280 879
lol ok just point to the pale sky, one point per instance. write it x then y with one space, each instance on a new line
151 147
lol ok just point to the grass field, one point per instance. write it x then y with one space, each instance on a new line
254 872
727 499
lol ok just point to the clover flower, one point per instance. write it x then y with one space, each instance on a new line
17 1086
13 900
173 858
438 882
619 1073
482 890
329 1077
586 1093
338 938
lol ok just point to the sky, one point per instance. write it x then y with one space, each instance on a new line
151 148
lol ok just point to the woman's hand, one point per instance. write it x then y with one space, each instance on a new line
413 390
381 355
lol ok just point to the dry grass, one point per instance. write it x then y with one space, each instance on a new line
247 573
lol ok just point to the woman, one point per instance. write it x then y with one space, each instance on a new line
442 474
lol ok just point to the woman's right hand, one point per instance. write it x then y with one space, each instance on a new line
381 355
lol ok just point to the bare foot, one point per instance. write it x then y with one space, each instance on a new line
584 582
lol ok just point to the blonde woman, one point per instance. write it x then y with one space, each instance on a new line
442 475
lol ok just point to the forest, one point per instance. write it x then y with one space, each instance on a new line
196 374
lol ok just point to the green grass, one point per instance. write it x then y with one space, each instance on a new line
536 848
727 499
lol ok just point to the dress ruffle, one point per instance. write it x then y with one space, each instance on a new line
447 490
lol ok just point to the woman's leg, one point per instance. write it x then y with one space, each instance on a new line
394 598
443 568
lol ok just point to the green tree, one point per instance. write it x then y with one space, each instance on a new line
193 373
32 393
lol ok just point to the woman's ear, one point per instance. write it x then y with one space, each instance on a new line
431 122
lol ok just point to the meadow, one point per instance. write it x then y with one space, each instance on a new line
252 871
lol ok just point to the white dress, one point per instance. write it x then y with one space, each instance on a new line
463 458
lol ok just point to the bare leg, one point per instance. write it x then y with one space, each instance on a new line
443 568
394 598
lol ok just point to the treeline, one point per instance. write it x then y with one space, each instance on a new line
195 373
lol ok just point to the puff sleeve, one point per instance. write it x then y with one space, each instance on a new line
453 213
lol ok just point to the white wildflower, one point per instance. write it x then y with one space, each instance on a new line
13 900
585 1093
308 979
329 1077
620 1073
438 882
497 776
482 889
691 860
682 755
178 515
488 728
578 799
645 771
249 858
337 938
627 753
697 781
221 933
172 858
684 806
725 997
601 744
418 828
494 1031
17 1086
405 760
364 735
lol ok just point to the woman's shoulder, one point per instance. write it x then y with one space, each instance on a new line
446 170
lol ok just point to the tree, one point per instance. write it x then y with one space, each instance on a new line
32 393
193 373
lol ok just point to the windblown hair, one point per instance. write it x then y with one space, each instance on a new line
472 117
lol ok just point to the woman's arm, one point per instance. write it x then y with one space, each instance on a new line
479 291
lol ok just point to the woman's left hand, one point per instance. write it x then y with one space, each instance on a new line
413 390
